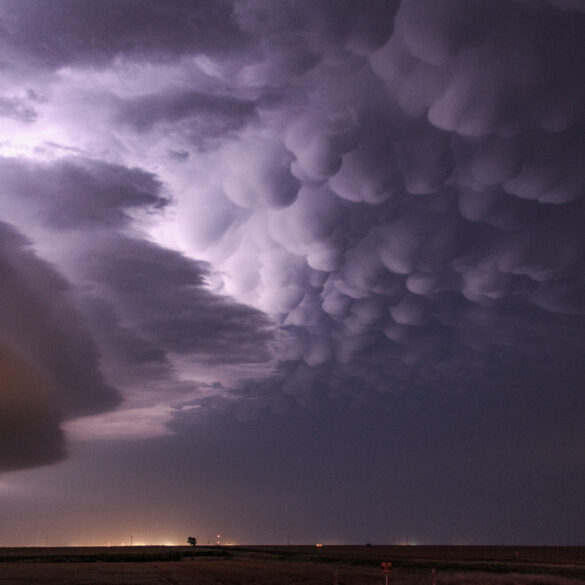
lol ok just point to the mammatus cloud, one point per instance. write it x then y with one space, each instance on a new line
429 195
373 177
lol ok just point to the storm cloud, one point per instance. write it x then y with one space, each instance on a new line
257 206
50 366
431 196
87 33
122 304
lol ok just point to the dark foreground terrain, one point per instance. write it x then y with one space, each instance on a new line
292 565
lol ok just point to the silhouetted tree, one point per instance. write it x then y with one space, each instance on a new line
192 540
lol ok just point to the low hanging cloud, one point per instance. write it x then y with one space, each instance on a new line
49 363
373 177
29 428
37 309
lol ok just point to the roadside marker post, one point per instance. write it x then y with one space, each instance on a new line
386 569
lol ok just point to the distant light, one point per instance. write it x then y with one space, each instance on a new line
319 545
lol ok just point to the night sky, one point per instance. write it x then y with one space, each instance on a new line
292 271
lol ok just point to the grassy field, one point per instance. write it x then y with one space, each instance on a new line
292 565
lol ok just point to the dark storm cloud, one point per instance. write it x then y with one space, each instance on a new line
161 294
29 429
50 364
127 355
406 180
398 185
389 197
209 113
362 26
438 197
453 50
56 34
80 193
141 302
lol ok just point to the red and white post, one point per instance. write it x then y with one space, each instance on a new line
386 569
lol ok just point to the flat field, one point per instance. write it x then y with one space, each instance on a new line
293 565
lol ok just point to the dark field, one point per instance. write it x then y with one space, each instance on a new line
292 565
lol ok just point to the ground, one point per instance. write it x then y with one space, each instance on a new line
293 565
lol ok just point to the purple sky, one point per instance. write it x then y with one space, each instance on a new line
307 269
